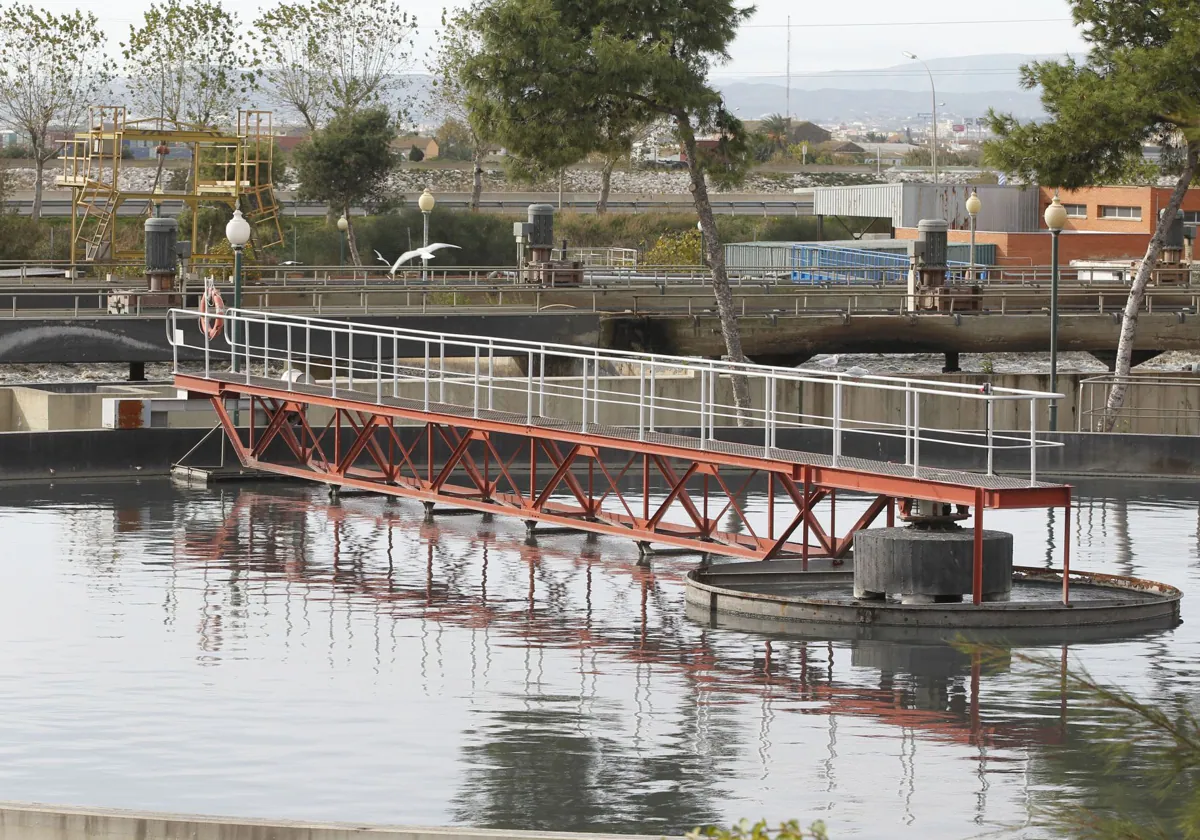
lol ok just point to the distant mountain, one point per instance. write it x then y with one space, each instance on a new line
753 101
969 85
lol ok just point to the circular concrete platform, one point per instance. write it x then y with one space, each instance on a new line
783 594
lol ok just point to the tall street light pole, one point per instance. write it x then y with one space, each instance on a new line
237 231
974 205
933 98
426 202
1056 220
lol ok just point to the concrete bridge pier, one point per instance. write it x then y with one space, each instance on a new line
951 365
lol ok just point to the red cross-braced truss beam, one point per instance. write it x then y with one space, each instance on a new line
663 490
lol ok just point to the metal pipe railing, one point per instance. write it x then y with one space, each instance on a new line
355 353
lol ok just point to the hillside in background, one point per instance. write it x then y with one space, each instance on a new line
969 85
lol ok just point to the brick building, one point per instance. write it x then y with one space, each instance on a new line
1119 209
1103 224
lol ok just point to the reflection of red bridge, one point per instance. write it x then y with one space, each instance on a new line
783 673
465 446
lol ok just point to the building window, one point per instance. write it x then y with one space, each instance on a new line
1076 211
1115 212
1191 217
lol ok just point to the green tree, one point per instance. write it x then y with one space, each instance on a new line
347 164
189 63
551 75
454 140
52 67
325 58
777 129
457 44
1138 84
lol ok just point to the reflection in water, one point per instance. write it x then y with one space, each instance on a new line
329 654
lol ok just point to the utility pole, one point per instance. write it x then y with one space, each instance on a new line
789 69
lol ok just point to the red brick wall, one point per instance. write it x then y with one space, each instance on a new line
1149 199
1017 249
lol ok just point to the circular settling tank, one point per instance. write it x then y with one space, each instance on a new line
783 593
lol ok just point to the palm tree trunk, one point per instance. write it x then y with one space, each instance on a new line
1137 291
716 260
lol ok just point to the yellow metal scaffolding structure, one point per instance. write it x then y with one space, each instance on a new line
230 168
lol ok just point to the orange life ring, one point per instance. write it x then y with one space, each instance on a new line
211 325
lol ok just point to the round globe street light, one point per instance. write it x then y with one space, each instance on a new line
933 99
343 225
426 202
237 231
1056 220
974 205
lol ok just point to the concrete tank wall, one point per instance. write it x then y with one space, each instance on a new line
19 821
1172 409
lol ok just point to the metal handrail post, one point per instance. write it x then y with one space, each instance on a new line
653 396
542 384
529 390
703 413
379 370
908 400
288 368
1033 442
916 435
475 390
991 418
596 391
491 371
426 372
837 421
583 397
442 373
350 355
641 401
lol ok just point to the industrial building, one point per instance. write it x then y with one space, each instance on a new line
1104 223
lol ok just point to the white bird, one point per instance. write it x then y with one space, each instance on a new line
425 254
857 371
828 362
379 257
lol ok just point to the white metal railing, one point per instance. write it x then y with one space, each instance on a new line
645 393
1163 404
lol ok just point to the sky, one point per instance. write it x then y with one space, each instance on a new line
825 36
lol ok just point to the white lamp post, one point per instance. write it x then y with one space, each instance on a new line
974 205
1056 220
933 98
237 231
343 225
700 227
426 202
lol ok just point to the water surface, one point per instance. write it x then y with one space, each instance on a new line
255 650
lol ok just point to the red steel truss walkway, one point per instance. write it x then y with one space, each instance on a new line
644 446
